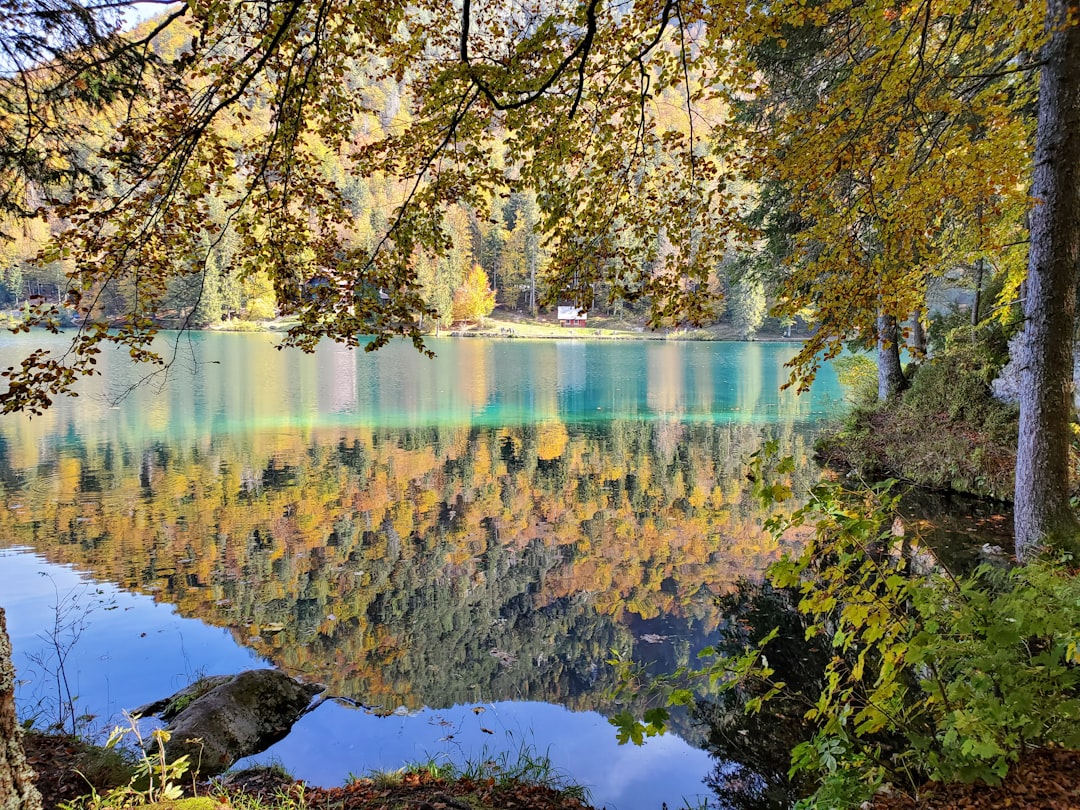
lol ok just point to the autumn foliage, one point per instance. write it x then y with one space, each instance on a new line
474 299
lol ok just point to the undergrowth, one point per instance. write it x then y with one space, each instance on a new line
925 674
153 777
946 432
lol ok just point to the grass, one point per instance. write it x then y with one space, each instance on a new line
279 800
503 770
602 326
502 321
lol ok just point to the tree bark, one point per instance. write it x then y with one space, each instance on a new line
918 335
976 305
891 380
1043 515
17 788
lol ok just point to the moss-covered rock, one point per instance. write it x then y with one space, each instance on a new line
235 717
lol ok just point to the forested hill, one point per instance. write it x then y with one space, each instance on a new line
502 234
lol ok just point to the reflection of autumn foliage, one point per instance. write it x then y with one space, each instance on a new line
424 566
551 439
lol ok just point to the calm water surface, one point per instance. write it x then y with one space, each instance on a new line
457 545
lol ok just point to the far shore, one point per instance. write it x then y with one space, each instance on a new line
503 324
512 325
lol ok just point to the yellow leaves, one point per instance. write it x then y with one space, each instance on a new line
551 440
474 299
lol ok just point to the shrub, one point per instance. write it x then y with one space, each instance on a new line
946 432
927 674
858 374
931 675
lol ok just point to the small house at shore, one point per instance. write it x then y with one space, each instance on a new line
572 316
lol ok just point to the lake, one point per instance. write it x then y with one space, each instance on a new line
455 545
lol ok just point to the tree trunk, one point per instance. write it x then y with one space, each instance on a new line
17 788
1043 516
532 287
918 335
891 380
976 305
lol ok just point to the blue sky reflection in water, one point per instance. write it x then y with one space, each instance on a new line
134 650
473 532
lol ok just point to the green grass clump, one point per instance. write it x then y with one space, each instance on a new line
503 770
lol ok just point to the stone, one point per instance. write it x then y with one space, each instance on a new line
218 720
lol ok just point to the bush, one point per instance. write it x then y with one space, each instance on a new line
956 386
946 432
924 674
931 675
858 374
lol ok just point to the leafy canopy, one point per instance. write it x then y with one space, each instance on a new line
560 98
889 130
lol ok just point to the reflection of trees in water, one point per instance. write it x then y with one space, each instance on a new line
753 751
428 566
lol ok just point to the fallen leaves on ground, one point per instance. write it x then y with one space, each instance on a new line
426 792
1043 779
68 767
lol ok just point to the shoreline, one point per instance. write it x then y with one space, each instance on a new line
510 329
504 327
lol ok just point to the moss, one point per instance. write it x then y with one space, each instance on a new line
194 803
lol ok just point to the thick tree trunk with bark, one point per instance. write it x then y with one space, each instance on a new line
1043 516
891 380
17 789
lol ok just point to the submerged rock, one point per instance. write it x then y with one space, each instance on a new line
218 720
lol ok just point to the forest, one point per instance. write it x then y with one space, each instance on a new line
500 234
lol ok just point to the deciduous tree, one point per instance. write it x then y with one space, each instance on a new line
891 146
474 299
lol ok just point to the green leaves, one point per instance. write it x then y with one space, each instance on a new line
967 671
924 674
765 468
630 729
